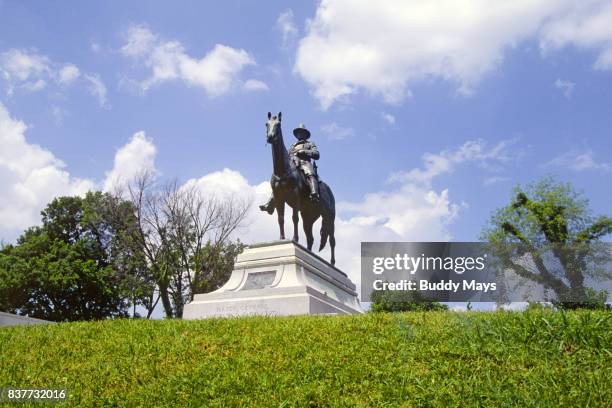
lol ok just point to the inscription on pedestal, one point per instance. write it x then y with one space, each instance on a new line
258 308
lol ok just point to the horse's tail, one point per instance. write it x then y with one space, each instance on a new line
328 216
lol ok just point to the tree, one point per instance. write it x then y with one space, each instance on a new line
68 268
403 301
550 224
184 238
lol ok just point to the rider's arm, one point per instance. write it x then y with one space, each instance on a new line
314 153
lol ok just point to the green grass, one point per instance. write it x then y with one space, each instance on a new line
540 358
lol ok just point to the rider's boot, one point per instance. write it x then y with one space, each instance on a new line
314 188
268 207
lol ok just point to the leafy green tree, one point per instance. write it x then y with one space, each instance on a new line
551 224
213 264
403 301
75 265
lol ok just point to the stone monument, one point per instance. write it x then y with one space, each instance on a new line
282 277
278 278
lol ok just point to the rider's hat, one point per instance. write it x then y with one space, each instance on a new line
301 132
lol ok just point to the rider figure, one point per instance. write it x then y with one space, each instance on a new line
301 153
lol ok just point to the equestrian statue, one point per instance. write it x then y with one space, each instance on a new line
295 181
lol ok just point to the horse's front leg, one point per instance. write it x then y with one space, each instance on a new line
280 212
296 219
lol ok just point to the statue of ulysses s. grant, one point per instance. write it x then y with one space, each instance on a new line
295 181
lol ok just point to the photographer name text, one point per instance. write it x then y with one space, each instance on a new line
444 285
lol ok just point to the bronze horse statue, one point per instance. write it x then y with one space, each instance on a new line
289 186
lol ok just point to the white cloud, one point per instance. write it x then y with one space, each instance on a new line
97 88
447 160
410 213
30 177
490 180
258 226
68 73
255 85
584 24
216 72
286 24
131 160
387 117
567 87
23 65
382 47
58 114
36 86
335 132
31 71
140 41
580 161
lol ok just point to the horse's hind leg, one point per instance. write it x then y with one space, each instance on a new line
332 245
280 212
296 219
308 231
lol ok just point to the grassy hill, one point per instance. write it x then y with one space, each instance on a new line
539 358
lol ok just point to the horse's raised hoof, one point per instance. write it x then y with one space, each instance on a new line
267 208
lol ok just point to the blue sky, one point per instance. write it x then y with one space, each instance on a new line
425 115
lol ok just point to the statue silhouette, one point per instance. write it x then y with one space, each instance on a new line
295 182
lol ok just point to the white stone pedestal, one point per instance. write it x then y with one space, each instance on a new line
278 278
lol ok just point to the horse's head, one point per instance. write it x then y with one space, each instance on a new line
273 127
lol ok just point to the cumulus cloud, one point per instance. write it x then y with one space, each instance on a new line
387 117
582 24
68 73
255 85
491 180
28 70
411 213
131 160
382 47
230 183
336 132
286 24
216 72
97 88
567 87
23 65
446 161
30 177
140 41
412 210
580 161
